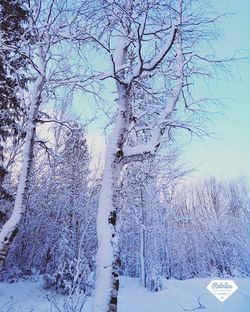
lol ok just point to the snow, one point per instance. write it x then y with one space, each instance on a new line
181 296
104 257
24 296
157 59
139 149
18 209
176 296
119 53
105 231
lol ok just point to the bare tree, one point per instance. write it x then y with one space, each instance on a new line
48 69
152 47
141 215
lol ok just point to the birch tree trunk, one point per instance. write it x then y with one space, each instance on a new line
107 260
119 151
10 228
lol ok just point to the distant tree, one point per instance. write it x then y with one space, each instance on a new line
142 215
69 262
207 230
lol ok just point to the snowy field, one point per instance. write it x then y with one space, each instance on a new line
176 296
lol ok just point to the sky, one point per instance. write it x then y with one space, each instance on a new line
227 154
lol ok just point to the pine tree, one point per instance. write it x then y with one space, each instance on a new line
12 27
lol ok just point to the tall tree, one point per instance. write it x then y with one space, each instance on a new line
153 52
48 69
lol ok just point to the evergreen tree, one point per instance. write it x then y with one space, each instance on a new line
13 17
12 29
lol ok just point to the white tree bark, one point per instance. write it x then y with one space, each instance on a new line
118 153
10 228
107 261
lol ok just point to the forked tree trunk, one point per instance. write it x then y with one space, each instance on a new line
10 228
107 259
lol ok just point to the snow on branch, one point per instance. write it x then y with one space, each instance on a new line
161 125
160 56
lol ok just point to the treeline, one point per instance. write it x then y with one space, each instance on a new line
58 234
186 231
167 228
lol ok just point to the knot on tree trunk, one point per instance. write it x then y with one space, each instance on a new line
112 217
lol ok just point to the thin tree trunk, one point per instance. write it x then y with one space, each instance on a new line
142 243
10 228
107 259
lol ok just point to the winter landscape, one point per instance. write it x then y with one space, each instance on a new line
124 156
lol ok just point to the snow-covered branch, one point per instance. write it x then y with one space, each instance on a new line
165 49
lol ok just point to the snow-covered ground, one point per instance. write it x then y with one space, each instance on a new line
176 296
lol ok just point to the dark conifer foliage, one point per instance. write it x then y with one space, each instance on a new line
12 29
13 18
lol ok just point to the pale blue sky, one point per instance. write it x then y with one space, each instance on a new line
229 155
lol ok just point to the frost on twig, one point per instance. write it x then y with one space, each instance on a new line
200 306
